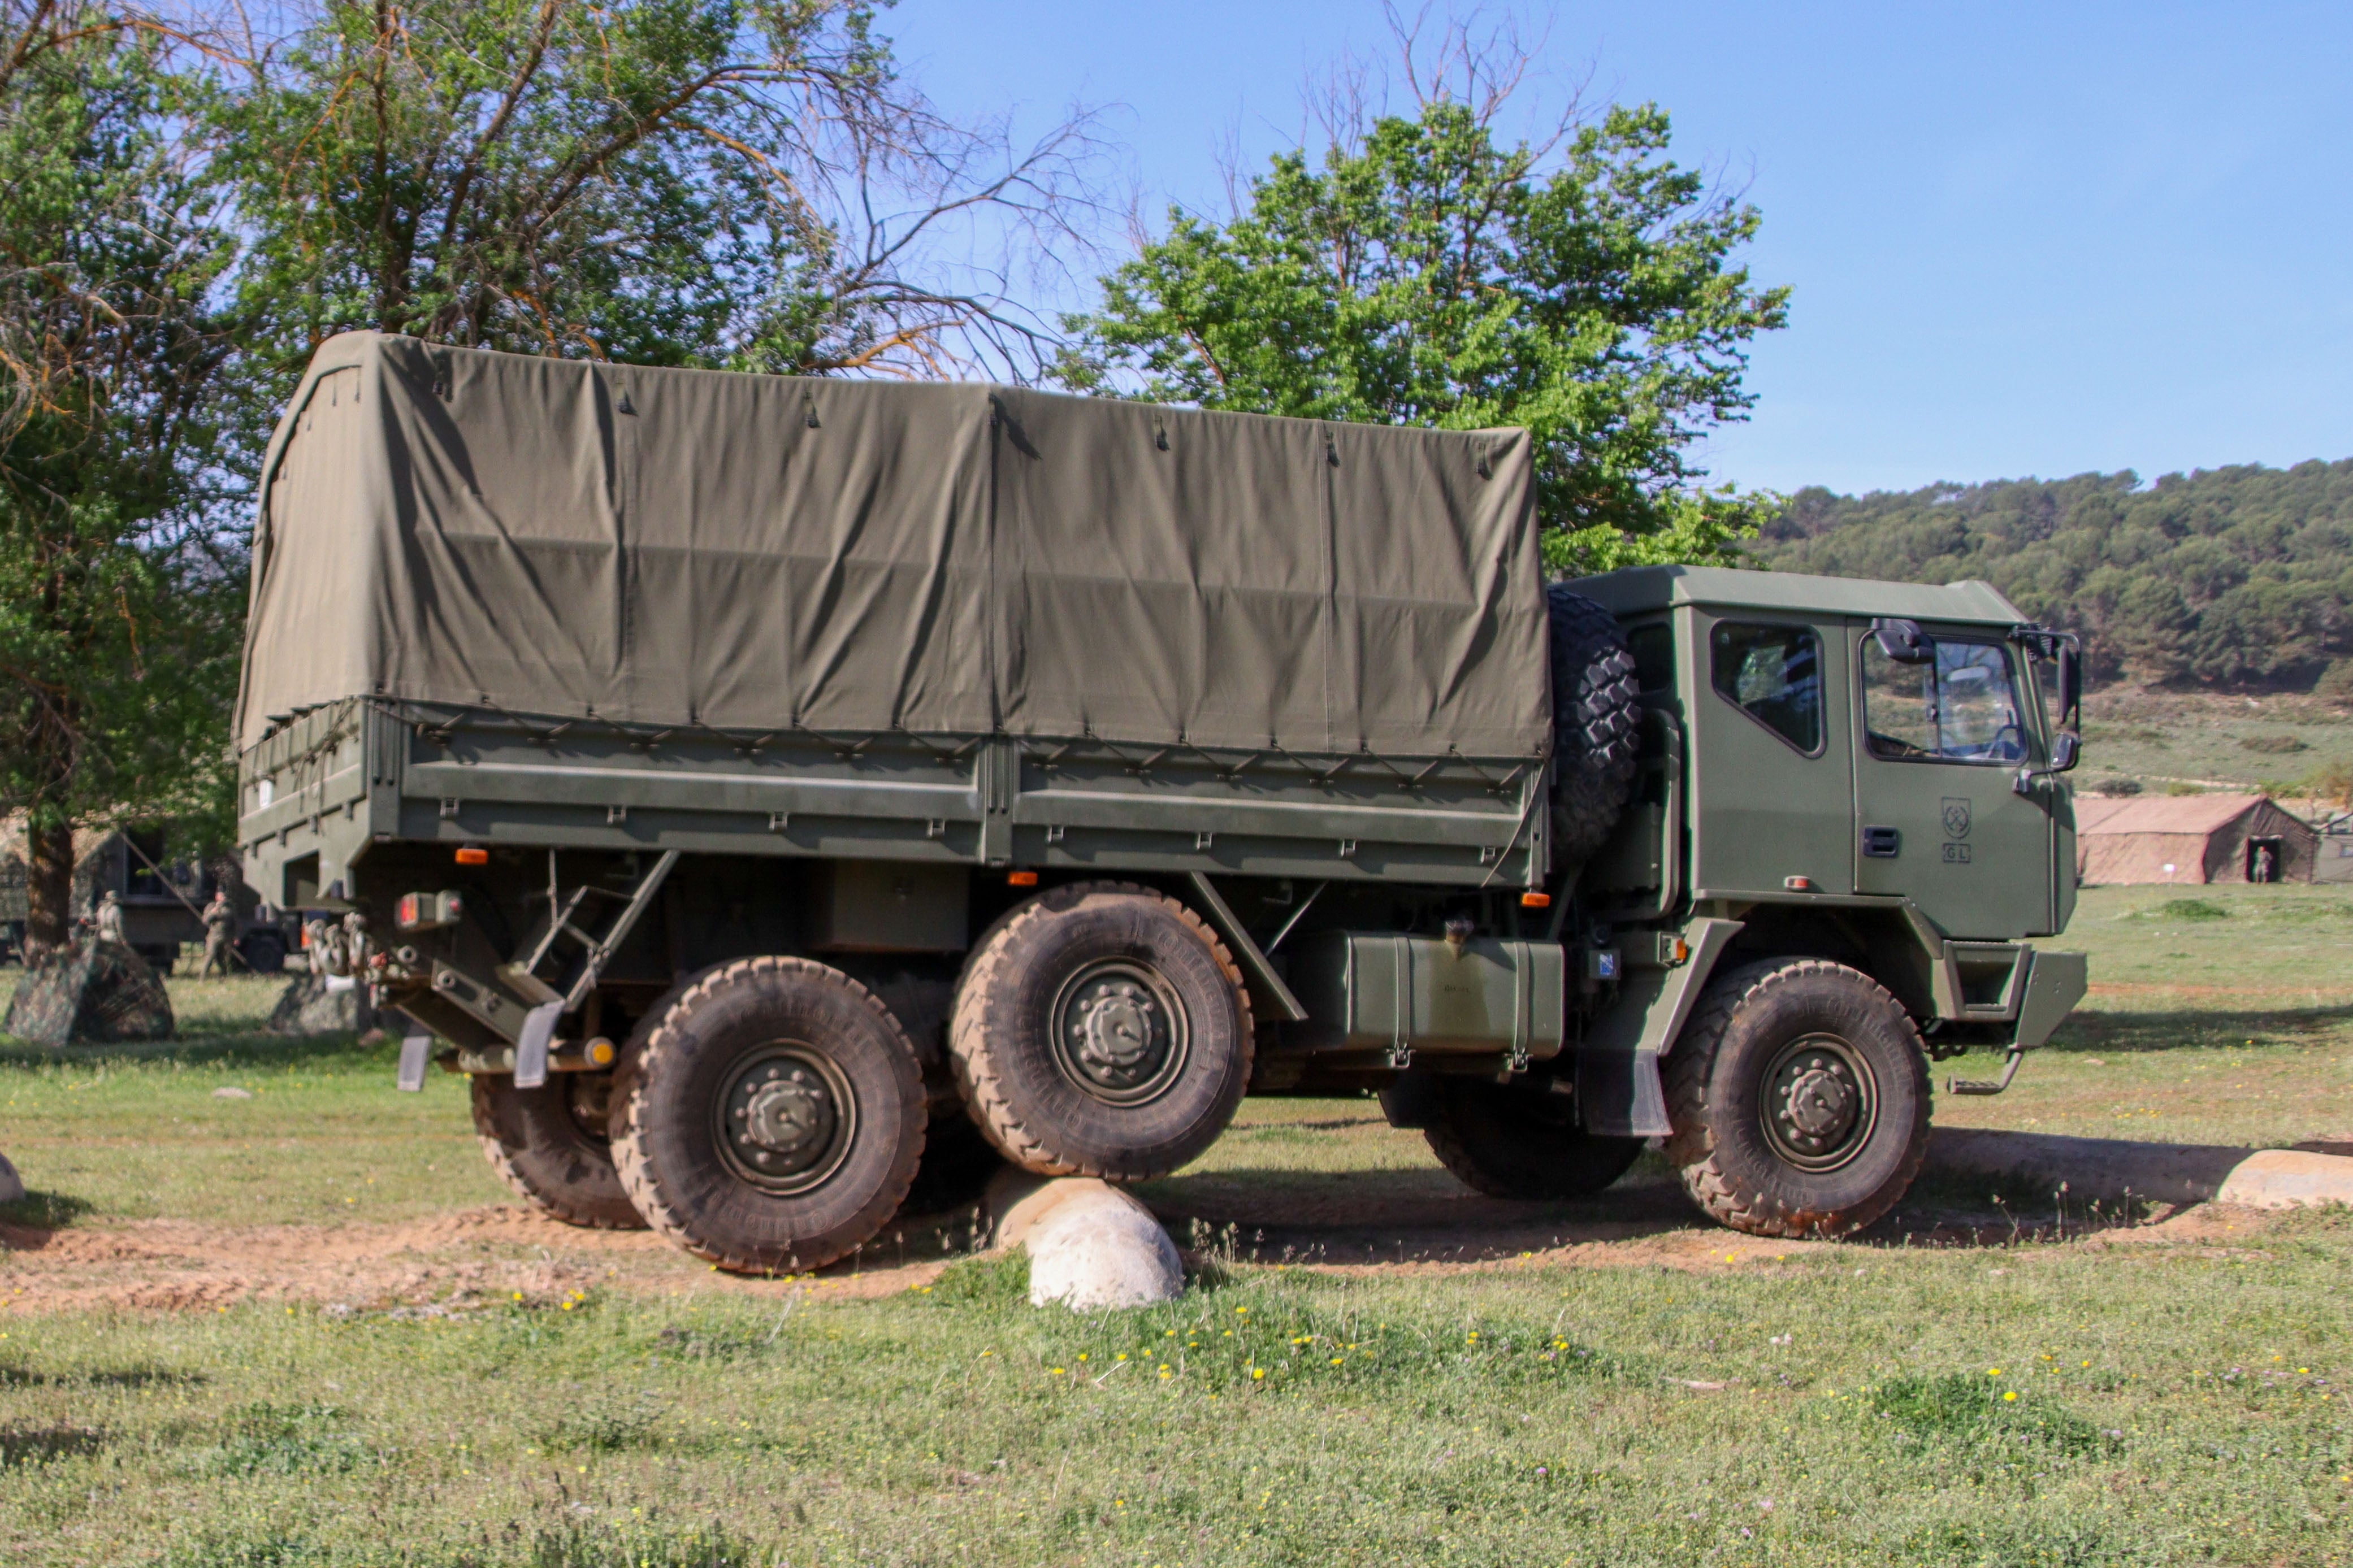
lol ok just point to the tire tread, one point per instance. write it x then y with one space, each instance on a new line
661 1040
1690 1069
978 1076
554 1202
1596 720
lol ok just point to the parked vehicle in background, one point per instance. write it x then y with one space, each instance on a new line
782 796
163 887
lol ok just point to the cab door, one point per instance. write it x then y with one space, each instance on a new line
1938 744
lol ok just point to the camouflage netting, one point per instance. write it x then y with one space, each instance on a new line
89 993
309 1007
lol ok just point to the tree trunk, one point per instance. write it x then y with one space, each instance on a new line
48 886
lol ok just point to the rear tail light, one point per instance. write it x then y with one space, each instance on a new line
429 912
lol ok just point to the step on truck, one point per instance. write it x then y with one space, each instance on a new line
790 800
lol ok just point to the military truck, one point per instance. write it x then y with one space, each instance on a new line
790 799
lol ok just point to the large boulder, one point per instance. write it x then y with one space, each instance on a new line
93 992
12 1186
1090 1245
322 1004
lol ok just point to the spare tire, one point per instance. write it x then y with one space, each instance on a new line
1596 714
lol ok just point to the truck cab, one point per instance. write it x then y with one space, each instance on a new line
1821 769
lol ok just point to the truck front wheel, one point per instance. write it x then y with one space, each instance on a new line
770 1118
1798 1094
550 1145
1518 1140
1101 1030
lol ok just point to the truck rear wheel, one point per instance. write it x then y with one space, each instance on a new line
771 1117
1520 1140
550 1145
1101 1030
1799 1093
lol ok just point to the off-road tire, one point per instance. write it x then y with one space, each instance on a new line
1029 1099
543 1143
1717 1097
1518 1140
1595 723
668 1102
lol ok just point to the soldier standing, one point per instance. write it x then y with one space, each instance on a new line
110 918
220 921
356 945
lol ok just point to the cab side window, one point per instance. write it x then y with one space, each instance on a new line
1773 674
1960 708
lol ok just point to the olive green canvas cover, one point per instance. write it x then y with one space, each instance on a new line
674 547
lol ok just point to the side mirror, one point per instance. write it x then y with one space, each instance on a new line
1904 641
2066 750
2071 685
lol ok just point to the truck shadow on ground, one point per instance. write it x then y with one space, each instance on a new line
2192 1027
1272 1214
1980 1189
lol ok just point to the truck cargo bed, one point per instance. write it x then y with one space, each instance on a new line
319 791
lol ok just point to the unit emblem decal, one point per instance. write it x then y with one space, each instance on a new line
1956 817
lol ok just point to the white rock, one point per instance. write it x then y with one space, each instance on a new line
1099 1248
230 1091
2289 1178
12 1186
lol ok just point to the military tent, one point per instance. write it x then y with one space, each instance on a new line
2192 838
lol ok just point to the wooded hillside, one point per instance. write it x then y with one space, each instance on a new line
2234 577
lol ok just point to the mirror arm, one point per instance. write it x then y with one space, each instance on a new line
2067 750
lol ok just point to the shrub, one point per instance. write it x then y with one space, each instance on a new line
2331 781
2273 745
2191 910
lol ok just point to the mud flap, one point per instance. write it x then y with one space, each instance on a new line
416 1048
531 1049
1619 1094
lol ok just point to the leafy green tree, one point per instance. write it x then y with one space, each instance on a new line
117 607
1430 273
742 182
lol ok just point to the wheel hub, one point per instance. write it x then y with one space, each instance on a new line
1819 1104
785 1119
788 1117
1119 1032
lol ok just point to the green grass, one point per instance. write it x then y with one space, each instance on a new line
137 1132
2184 1405
2223 1019
2178 1401
2212 739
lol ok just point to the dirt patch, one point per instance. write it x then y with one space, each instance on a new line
450 1262
1357 1223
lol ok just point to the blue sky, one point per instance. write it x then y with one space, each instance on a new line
2023 239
